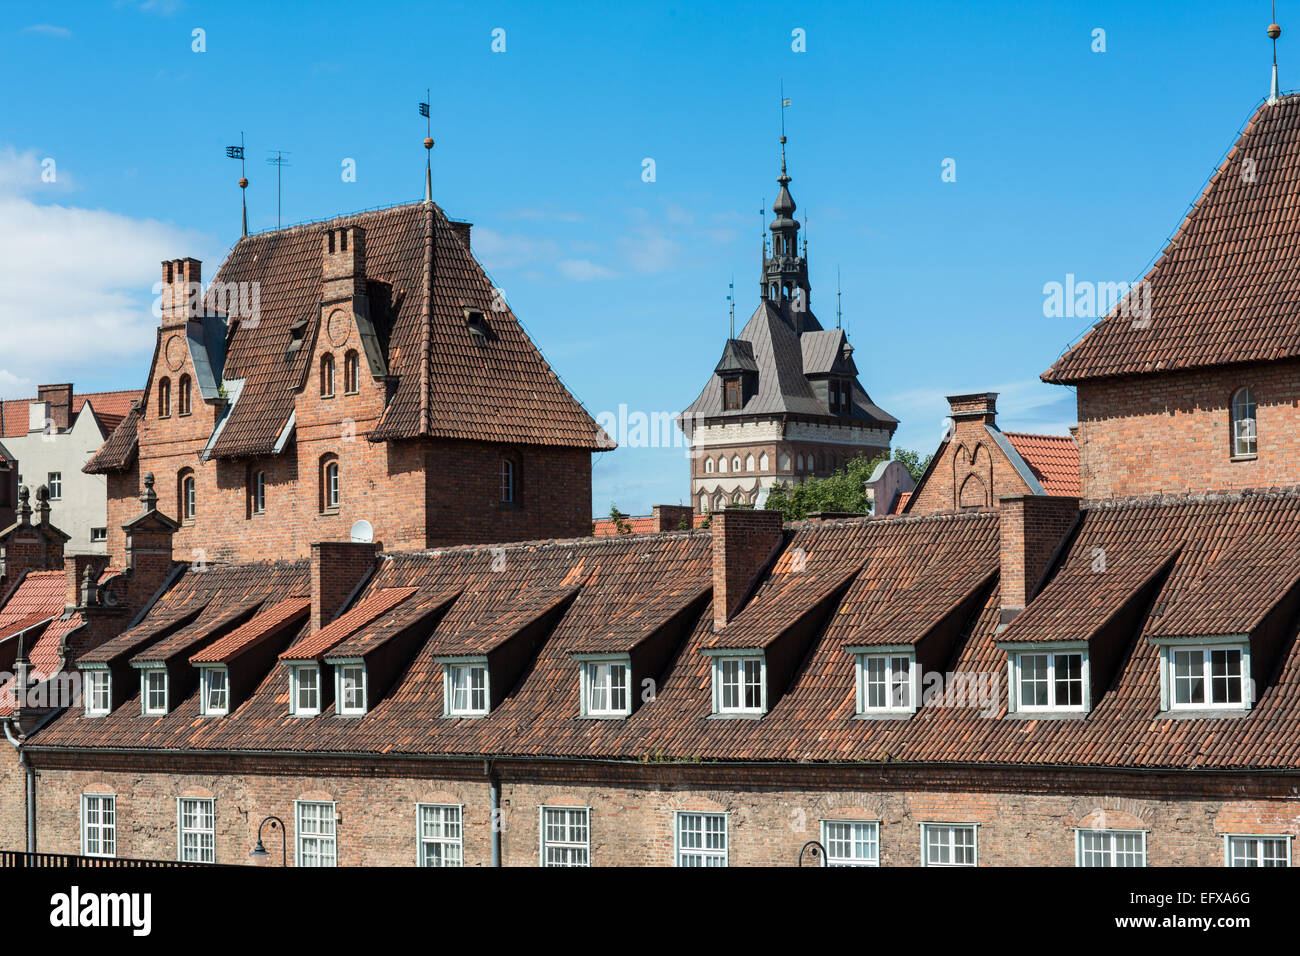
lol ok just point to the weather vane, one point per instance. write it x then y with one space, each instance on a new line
1274 31
731 300
237 152
428 147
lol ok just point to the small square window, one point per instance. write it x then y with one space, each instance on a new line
948 844
304 690
465 689
607 690
1050 680
351 691
215 699
153 691
1208 677
886 683
98 535
95 689
851 842
1111 847
739 685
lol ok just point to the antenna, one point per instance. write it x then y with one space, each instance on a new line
428 146
237 152
837 298
731 299
1274 31
279 162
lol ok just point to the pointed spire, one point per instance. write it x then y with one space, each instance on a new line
1274 31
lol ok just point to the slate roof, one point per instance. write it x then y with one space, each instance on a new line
421 278
1226 289
1224 562
783 386
1053 459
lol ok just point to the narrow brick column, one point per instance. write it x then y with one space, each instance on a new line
1031 529
337 567
744 541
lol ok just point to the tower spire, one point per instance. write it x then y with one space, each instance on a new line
1274 31
784 280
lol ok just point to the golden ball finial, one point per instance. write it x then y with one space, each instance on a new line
243 183
782 140
1274 31
428 142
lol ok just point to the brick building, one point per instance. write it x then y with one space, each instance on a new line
359 374
784 402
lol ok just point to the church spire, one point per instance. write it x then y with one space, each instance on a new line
784 280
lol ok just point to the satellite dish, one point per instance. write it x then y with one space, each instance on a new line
363 533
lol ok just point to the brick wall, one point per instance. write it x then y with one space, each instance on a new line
1025 817
970 470
1171 433
1031 529
743 543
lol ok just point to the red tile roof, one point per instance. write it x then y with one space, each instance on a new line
39 597
1054 460
289 613
315 646
1226 289
109 409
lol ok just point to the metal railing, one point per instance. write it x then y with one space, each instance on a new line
19 859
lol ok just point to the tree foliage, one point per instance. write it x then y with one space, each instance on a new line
845 490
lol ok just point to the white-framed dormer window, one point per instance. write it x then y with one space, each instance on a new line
949 844
304 690
97 691
214 691
565 836
1251 850
887 680
98 825
196 830
1205 676
851 842
439 834
739 683
315 835
606 687
153 690
1110 847
350 688
700 838
1048 679
465 689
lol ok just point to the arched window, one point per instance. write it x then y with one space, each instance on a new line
722 464
186 495
165 398
799 465
785 462
329 484
257 492
737 498
735 463
509 481
749 462
704 501
183 395
351 372
327 376
719 501
762 462
1244 439
708 466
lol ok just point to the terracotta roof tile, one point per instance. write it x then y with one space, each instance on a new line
315 646
1054 460
289 613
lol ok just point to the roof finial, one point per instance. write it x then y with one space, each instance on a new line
784 103
837 298
237 152
1274 31
731 299
148 497
428 147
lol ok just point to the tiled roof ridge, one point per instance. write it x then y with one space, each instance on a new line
539 544
1176 499
345 219
1045 435
967 514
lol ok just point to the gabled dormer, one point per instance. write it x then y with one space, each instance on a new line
737 373
231 668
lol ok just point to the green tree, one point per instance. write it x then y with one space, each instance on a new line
845 490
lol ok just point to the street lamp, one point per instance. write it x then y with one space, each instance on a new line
818 854
261 851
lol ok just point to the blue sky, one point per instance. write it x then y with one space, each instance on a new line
1068 161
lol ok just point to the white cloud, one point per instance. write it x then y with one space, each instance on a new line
21 173
48 30
498 250
583 270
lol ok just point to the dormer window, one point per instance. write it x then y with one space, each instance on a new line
739 684
476 322
887 681
350 688
214 696
606 687
733 398
1206 677
97 691
153 691
1045 680
304 690
465 689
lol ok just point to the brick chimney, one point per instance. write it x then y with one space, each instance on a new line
461 229
31 547
338 568
182 291
343 263
744 542
670 517
981 407
59 401
1032 529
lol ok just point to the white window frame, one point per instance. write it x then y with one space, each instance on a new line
578 849
1015 652
328 840
146 707
98 535
341 707
100 827
874 828
1229 837
92 680
295 678
1245 423
1110 851
704 854
444 841
952 846
205 691
742 657
1168 686
449 708
890 654
588 668
205 854
54 485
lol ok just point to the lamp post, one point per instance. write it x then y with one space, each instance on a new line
818 854
261 851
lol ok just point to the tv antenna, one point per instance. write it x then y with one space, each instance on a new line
279 162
